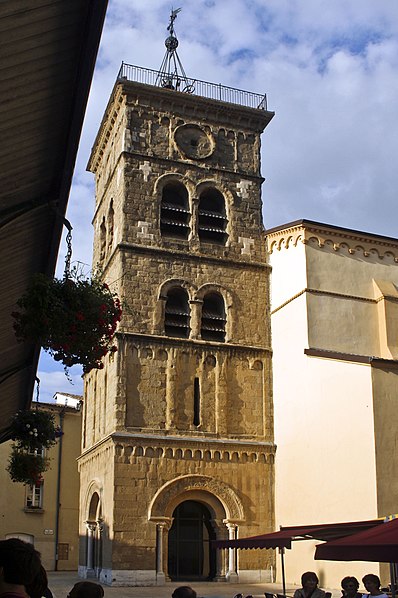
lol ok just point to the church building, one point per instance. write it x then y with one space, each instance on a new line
178 446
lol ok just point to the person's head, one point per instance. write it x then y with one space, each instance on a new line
309 580
19 562
350 585
86 589
38 586
184 592
371 583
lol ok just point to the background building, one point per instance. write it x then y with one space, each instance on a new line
46 514
178 426
335 343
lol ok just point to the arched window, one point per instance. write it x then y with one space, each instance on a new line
213 318
111 218
212 217
102 240
174 212
177 315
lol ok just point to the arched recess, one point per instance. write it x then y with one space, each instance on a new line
225 512
211 312
214 318
177 313
94 529
214 212
174 195
166 290
111 226
94 508
102 240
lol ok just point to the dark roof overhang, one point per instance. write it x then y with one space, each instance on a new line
47 61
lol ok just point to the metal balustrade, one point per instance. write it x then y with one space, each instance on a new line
197 87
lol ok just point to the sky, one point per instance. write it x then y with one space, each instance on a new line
330 72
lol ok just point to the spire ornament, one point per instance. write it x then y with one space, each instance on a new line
171 73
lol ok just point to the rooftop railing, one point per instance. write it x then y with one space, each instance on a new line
205 89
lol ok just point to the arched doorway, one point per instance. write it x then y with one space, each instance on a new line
94 526
190 554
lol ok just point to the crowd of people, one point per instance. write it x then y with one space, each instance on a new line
349 587
23 576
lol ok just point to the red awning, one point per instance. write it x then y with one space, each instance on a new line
284 537
378 544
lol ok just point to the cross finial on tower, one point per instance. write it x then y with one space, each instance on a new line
171 73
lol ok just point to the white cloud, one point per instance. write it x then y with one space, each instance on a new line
52 382
330 72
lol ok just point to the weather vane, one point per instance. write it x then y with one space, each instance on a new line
171 73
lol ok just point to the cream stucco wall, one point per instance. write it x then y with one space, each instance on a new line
335 412
41 523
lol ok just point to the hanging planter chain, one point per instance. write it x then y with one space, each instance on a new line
74 319
68 255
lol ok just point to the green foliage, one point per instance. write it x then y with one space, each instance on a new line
33 429
25 467
73 319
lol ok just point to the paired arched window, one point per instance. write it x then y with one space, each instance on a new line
213 318
174 211
212 217
175 215
177 314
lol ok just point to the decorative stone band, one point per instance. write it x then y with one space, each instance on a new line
336 238
193 257
152 340
130 446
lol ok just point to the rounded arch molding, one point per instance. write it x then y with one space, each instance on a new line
209 287
174 177
219 186
176 283
176 491
94 488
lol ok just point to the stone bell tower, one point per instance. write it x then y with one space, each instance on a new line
178 427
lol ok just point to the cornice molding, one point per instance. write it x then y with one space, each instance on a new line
366 245
123 446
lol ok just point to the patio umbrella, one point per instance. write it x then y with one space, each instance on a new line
283 538
379 543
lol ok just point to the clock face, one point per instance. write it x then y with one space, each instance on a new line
194 142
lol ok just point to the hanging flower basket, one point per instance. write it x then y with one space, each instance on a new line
34 429
73 319
26 468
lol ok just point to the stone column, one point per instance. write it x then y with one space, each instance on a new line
171 389
232 575
196 317
194 242
221 393
91 527
220 553
160 576
100 530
